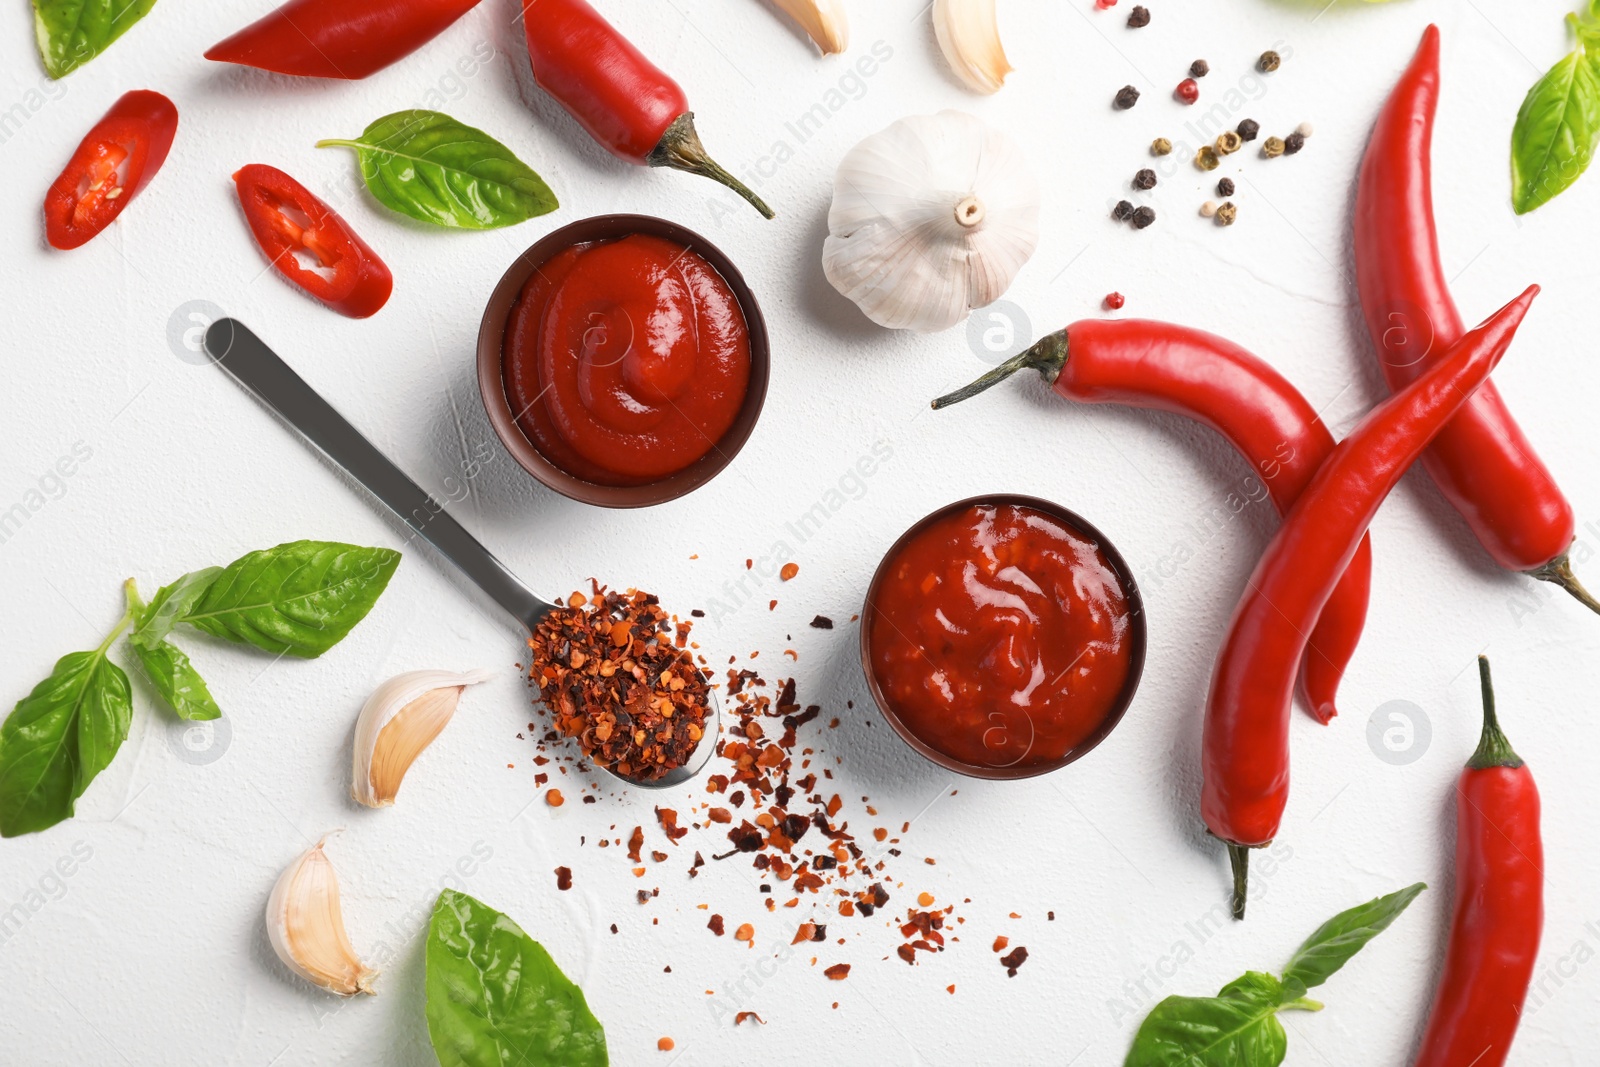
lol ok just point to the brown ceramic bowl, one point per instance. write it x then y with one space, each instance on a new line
1137 638
491 375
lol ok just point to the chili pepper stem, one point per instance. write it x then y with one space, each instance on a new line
1239 856
680 149
1047 356
1559 571
1493 748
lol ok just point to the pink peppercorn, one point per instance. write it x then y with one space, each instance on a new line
1114 301
1101 5
1188 90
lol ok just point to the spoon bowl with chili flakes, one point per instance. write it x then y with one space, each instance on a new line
613 669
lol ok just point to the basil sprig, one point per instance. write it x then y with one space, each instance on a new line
429 166
495 996
1558 125
300 598
1239 1026
72 32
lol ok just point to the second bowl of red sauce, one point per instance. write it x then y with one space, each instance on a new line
623 360
1003 636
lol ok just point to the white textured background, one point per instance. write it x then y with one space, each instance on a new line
152 951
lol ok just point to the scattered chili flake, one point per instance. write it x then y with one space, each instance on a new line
806 932
789 571
715 925
563 878
635 843
669 824
746 932
1138 18
613 927
838 972
1248 129
1143 217
1101 5
1000 943
743 1015
1199 69
1145 179
554 798
1269 62
1126 97
821 622
1014 959
950 989
666 1044
615 674
1050 916
658 857
925 899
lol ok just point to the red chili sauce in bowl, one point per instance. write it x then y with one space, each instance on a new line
1003 638
627 360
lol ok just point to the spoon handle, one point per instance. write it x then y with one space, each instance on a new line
260 370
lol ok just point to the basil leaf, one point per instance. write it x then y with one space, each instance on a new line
58 738
1342 936
1554 137
300 598
1237 1028
175 678
72 32
153 623
496 998
435 169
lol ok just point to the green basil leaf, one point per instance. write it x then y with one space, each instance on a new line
435 169
1556 130
300 598
152 624
1342 936
496 998
72 32
175 678
1237 1028
58 738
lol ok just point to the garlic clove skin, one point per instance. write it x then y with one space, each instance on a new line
931 217
306 927
824 20
400 719
969 37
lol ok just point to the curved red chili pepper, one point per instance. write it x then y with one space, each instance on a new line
1499 905
627 103
1245 747
346 39
112 164
1482 461
287 219
1156 365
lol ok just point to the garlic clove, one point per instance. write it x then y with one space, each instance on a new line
931 217
824 20
306 927
402 717
969 37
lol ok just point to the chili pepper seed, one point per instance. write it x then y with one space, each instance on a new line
1269 62
1188 91
1145 179
1293 143
1206 158
1225 188
1143 217
1248 129
1138 17
1272 147
1126 97
1199 69
1160 147
1226 213
1123 211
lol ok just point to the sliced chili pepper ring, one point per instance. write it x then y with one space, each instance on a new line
112 164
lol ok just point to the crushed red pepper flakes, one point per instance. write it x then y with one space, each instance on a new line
746 932
614 673
1001 942
563 878
635 843
822 622
666 1044
838 972
789 571
669 825
715 925
554 798
743 1015
1014 959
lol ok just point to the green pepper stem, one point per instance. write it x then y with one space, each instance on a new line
1047 356
1559 572
680 149
1493 748
1239 856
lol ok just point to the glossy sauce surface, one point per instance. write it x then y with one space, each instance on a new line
1001 637
626 361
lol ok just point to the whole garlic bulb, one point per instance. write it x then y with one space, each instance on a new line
931 217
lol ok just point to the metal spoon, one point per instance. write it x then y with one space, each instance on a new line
232 346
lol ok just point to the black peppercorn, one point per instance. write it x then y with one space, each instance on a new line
1145 179
1122 211
1143 217
1199 69
1269 62
1127 96
1248 129
1139 16
1225 187
1293 143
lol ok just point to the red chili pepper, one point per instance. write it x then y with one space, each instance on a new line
346 39
112 164
1160 366
1482 461
626 102
288 220
1245 748
1499 910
